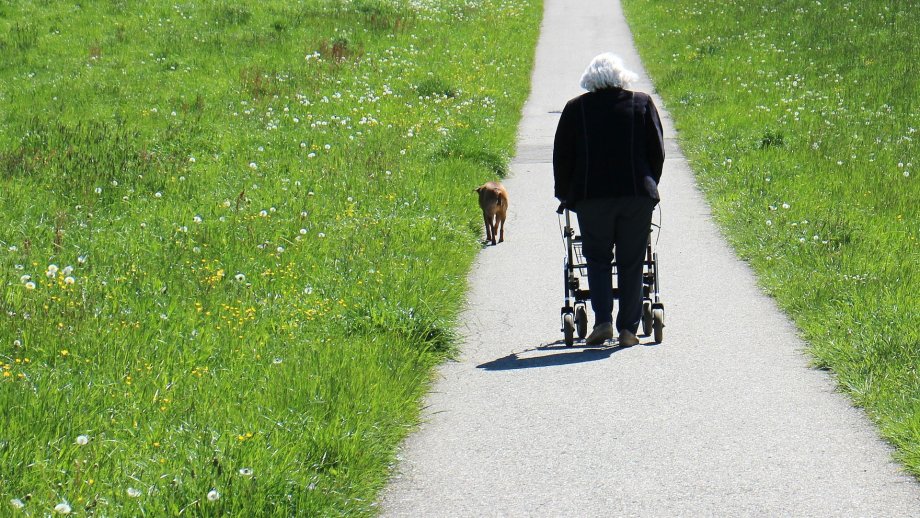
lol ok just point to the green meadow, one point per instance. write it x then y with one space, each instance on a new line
234 241
801 122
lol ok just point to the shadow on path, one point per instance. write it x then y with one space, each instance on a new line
532 358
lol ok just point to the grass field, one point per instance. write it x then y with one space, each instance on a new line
801 122
235 238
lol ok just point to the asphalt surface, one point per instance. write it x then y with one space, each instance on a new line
725 417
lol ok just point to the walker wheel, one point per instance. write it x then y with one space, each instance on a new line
581 322
658 324
647 319
568 329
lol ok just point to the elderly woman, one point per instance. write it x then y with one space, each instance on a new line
607 161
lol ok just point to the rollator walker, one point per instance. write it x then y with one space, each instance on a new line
574 312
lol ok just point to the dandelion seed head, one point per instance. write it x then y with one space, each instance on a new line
133 493
197 219
213 495
98 190
62 508
158 194
785 205
246 472
17 503
25 278
253 165
69 280
280 249
240 277
30 285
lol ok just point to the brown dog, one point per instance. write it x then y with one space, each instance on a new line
493 200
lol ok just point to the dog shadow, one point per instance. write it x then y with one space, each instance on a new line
559 354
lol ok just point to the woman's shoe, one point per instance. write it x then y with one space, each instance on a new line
628 338
601 333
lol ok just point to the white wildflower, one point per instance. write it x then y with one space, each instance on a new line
62 508
133 493
213 495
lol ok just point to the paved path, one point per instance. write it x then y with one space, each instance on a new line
724 418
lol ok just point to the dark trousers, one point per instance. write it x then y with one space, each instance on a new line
622 223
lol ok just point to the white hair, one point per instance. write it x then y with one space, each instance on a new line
607 71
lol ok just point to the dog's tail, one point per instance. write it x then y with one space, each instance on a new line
500 200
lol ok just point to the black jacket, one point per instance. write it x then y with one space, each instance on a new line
608 143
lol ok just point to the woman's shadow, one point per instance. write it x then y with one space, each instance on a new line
533 358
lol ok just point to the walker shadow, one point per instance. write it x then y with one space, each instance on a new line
566 356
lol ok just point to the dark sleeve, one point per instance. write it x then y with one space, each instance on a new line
564 152
654 140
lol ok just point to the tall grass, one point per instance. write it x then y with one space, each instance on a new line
235 238
801 122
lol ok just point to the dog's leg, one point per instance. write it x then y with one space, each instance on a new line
489 236
501 224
